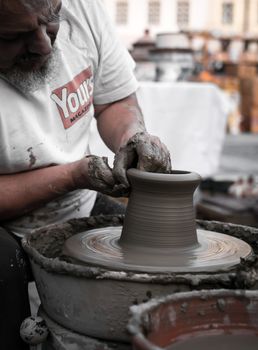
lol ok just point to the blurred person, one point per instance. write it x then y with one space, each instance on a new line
61 65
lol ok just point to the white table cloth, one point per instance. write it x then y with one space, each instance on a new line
190 118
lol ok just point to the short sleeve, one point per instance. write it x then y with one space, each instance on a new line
114 78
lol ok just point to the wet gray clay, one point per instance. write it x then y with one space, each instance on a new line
160 211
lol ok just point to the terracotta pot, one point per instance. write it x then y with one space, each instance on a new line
197 321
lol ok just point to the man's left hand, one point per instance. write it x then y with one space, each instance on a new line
144 152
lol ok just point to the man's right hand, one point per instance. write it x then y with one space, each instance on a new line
94 173
24 192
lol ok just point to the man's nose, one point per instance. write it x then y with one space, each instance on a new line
39 42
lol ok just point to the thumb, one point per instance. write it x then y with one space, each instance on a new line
123 161
99 171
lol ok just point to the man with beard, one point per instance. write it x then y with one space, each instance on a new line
60 66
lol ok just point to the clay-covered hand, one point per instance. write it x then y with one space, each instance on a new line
144 152
100 177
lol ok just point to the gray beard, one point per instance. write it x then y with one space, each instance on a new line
31 81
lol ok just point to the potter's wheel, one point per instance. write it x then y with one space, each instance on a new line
100 247
94 301
159 233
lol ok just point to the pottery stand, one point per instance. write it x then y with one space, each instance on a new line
89 291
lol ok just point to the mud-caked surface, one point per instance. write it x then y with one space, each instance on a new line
49 241
246 272
246 233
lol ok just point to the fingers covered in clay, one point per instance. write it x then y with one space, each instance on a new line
153 156
124 159
144 152
101 178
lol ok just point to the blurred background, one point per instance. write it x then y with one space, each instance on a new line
197 67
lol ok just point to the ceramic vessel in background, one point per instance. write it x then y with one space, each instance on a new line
197 320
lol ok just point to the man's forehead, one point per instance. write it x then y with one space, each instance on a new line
16 16
23 6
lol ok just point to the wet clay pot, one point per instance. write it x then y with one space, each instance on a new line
201 320
160 211
95 301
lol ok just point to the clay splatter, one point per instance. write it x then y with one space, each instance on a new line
33 159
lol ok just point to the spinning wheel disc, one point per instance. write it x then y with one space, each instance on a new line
101 247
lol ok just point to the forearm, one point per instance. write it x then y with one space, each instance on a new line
119 121
23 192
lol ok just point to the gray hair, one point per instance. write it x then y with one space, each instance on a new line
28 4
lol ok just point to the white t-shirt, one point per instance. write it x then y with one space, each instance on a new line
52 125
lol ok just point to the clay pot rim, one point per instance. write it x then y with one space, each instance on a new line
190 295
175 176
139 312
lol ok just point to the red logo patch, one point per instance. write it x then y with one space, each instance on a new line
74 99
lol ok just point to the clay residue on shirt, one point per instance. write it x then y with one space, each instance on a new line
32 157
